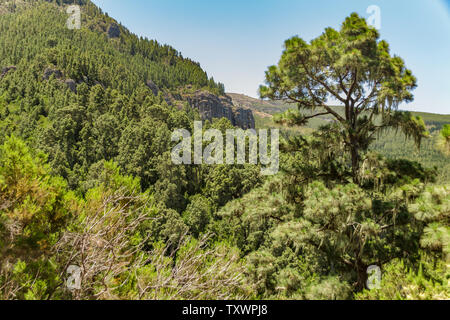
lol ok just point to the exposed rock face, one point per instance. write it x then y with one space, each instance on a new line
113 31
153 87
211 106
244 118
71 84
5 70
49 72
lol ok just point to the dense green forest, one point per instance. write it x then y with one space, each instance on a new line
86 180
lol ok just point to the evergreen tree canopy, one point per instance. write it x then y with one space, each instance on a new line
353 68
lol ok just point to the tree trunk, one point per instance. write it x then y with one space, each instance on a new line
355 161
361 270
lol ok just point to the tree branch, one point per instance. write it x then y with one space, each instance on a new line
334 93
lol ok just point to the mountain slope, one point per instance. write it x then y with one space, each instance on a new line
95 94
34 34
36 31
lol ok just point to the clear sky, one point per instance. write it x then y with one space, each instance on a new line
236 40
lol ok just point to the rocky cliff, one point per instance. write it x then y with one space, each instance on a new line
210 106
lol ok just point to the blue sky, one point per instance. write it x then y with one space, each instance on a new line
235 41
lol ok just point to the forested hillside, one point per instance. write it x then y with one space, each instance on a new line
108 138
89 192
109 101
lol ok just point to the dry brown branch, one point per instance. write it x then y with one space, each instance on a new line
198 273
101 247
